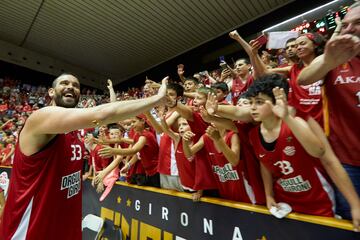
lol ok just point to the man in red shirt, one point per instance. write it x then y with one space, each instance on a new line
339 66
241 78
45 188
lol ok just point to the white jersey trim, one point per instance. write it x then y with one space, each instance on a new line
23 227
327 188
173 166
249 190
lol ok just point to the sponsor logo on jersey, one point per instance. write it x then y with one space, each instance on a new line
72 183
295 184
289 150
346 80
226 173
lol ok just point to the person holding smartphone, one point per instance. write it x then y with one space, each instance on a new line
237 79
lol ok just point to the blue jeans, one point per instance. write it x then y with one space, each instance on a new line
342 206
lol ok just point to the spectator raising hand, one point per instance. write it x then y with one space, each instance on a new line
211 104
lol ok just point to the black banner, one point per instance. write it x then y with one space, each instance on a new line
144 213
148 213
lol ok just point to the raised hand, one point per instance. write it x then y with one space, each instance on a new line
226 73
255 46
340 49
234 35
280 108
106 152
213 133
162 90
110 85
148 81
204 114
161 110
180 69
211 104
188 136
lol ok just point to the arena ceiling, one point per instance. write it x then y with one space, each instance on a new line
120 39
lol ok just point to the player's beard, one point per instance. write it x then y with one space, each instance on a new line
70 103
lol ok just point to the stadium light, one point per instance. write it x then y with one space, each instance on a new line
299 16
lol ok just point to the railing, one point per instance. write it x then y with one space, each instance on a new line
152 213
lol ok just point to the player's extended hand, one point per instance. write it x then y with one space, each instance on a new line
211 104
106 152
188 136
213 133
280 108
162 90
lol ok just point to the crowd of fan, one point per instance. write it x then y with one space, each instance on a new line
190 144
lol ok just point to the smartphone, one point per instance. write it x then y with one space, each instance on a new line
262 39
222 64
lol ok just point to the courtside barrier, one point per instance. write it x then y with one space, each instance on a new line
142 213
151 213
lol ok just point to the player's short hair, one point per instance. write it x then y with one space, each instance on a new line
53 85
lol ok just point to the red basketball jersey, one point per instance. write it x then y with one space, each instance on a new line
298 178
44 199
251 165
239 87
100 162
204 179
186 167
342 94
229 179
149 153
306 99
167 159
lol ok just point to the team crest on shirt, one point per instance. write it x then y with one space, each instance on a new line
344 67
289 150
